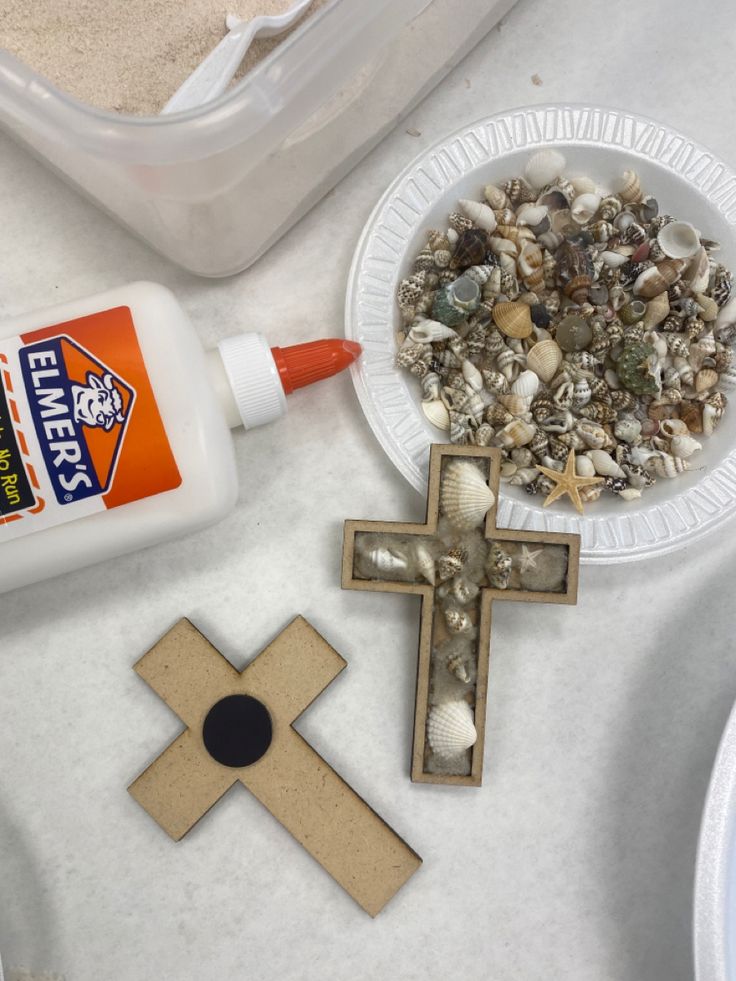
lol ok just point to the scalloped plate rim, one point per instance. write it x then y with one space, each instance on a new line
532 516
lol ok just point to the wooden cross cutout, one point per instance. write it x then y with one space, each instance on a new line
530 567
240 730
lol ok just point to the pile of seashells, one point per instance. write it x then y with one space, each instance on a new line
556 316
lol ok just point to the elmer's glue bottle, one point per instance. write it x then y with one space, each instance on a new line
115 425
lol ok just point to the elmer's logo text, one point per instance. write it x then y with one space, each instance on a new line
80 410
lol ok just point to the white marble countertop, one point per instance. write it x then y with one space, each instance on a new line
575 859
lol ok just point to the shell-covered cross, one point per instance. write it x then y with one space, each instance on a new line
458 561
239 729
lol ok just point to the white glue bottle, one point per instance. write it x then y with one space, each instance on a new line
115 425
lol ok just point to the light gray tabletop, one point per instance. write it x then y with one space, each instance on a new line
575 859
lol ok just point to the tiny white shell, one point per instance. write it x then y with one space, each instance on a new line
584 207
480 214
429 331
604 464
437 413
425 563
544 167
630 493
503 245
679 240
451 729
614 259
531 214
465 497
684 446
727 315
583 185
384 560
698 271
472 376
526 385
584 466
452 236
497 198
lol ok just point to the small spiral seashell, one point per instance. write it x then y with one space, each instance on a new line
516 433
465 497
411 289
602 231
658 278
495 381
495 197
382 559
458 621
505 216
480 214
722 281
460 222
531 214
666 465
656 310
472 376
518 191
683 446
530 266
627 429
430 331
593 435
517 405
523 476
584 466
483 435
450 729
424 259
431 385
609 208
503 246
708 307
557 195
471 248
450 564
629 187
544 167
497 416
604 464
479 274
563 395
582 393
614 259
713 408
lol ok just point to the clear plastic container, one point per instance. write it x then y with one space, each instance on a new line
214 187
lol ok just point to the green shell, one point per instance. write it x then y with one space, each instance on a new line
452 309
635 369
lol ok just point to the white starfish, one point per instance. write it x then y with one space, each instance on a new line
528 559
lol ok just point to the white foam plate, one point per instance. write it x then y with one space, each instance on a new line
714 912
687 180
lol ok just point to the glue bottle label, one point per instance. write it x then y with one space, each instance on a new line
80 431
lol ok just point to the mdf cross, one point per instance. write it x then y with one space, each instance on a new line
528 567
239 730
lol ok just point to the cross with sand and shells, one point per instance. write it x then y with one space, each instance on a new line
458 561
